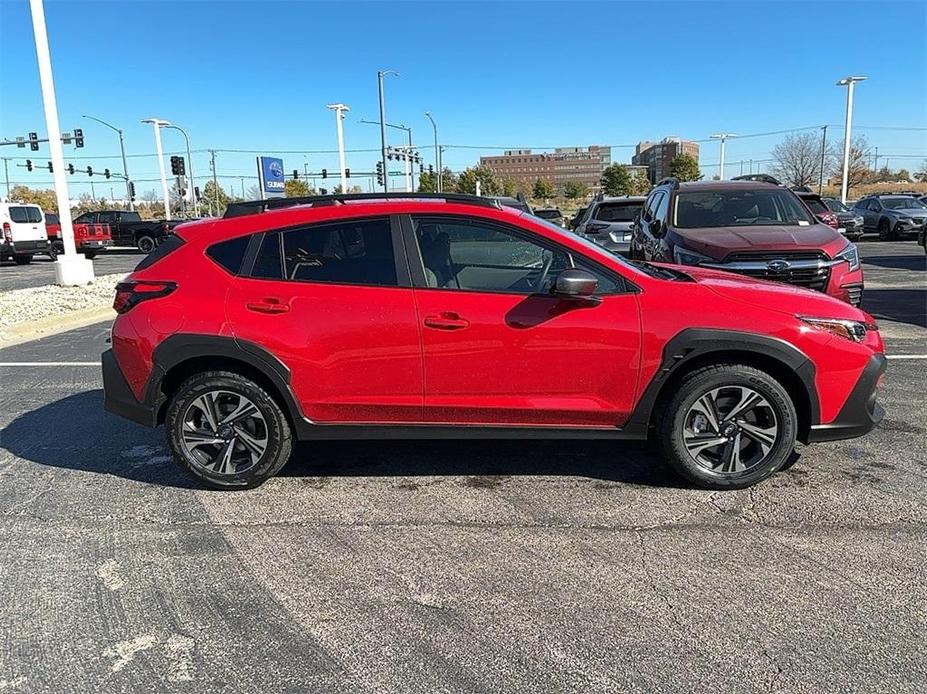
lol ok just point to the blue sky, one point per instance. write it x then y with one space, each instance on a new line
257 76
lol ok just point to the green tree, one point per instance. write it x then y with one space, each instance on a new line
215 198
543 189
575 189
640 184
449 182
297 188
509 186
921 176
685 168
616 180
466 183
43 198
427 182
903 175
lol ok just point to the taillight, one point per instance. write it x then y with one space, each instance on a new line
7 233
132 293
593 228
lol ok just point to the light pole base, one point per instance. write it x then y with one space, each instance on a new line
73 270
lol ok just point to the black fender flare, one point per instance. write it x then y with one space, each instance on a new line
692 343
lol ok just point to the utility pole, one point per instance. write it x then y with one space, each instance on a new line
215 179
6 173
438 172
339 110
849 83
723 137
122 149
156 123
189 164
823 153
380 75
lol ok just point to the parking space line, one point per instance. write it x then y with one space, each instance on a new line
49 363
906 356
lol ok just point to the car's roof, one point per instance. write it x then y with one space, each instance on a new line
693 186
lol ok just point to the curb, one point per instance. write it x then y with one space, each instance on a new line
52 325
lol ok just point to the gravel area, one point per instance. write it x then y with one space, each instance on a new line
21 306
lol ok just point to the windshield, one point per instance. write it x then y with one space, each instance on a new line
735 208
618 211
51 218
548 214
902 203
835 205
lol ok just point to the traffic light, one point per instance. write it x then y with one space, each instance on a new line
323 191
324 173
347 173
178 167
78 137
196 189
132 189
295 174
380 172
28 165
50 169
90 171
106 173
34 142
431 170
70 168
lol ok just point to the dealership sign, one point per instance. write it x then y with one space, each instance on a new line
270 176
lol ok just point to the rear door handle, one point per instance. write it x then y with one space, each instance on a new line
447 320
268 305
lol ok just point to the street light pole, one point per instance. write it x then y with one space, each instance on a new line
847 82
823 152
437 180
189 165
339 110
380 75
156 123
122 149
723 137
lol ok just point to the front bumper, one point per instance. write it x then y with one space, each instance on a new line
908 228
860 413
118 397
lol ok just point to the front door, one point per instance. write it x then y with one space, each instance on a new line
500 350
332 302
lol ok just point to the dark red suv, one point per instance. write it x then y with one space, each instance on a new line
355 316
753 227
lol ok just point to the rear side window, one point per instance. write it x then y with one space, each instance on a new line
269 262
358 251
26 215
815 205
169 245
229 254
617 212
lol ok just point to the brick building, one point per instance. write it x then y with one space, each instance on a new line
658 156
562 165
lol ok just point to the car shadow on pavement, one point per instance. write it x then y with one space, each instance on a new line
76 433
898 262
899 305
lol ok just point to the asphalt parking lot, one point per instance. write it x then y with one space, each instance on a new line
459 567
42 270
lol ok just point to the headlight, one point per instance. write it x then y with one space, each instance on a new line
849 329
859 220
683 256
850 254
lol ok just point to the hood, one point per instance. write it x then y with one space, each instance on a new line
718 242
842 216
921 213
776 296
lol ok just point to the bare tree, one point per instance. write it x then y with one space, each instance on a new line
858 171
798 159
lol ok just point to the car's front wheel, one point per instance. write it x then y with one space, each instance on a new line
885 231
226 431
728 427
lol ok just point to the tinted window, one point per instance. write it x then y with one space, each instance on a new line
86 218
358 251
51 218
815 205
26 214
741 208
903 203
650 206
618 211
229 254
169 245
269 262
473 255
874 205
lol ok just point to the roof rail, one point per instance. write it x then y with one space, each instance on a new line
245 207
759 178
669 180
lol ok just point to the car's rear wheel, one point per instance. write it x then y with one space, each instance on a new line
23 259
226 431
728 427
90 255
885 231
146 244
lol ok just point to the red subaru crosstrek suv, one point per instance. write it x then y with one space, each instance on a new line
419 316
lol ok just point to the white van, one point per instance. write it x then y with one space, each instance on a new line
23 232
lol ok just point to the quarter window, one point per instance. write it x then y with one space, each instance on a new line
229 254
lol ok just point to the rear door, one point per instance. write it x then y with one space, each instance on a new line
27 223
334 302
498 348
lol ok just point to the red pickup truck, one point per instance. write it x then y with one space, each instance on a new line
88 238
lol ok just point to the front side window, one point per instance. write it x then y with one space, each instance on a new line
352 251
874 206
740 208
473 255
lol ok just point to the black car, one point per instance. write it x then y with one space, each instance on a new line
517 203
849 222
129 229
551 214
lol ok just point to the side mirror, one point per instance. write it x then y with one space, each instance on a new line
576 284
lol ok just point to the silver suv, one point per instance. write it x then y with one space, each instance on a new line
607 221
892 215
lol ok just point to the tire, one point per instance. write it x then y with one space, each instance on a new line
228 392
90 255
54 251
885 231
772 420
23 259
145 243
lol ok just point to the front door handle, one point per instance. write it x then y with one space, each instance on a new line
447 320
268 305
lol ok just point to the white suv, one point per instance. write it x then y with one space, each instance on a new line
23 232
